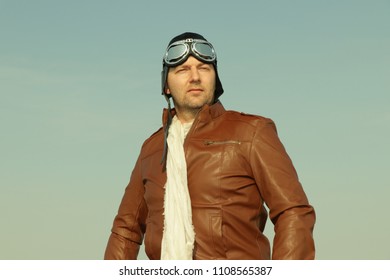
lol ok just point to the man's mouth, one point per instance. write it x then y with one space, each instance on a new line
195 90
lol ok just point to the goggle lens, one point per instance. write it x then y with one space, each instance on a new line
175 53
205 51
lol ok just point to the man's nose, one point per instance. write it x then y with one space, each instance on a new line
195 77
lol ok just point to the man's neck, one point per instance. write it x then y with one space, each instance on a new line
187 116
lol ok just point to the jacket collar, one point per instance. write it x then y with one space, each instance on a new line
206 114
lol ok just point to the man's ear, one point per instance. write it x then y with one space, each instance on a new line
167 91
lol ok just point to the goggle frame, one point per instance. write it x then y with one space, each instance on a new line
206 55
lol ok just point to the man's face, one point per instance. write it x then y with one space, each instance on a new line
191 85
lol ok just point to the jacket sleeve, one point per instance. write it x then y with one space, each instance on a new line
290 212
129 224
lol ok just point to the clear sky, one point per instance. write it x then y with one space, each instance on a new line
80 91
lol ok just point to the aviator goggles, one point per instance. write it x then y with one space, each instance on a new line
179 51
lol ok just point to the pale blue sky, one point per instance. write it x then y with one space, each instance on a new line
80 91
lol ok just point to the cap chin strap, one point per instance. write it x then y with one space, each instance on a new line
165 152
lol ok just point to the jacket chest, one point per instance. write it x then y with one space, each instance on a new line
216 170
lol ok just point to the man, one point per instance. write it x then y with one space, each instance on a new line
200 183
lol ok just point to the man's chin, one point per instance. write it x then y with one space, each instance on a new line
198 103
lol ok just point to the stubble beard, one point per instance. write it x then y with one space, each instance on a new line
191 107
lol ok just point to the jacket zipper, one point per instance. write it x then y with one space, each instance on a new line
209 142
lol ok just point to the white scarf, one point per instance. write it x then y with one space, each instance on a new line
179 235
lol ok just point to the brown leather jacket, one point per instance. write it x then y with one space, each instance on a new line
236 163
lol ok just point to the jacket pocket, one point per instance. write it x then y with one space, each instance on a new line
153 237
216 230
212 142
148 240
209 235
